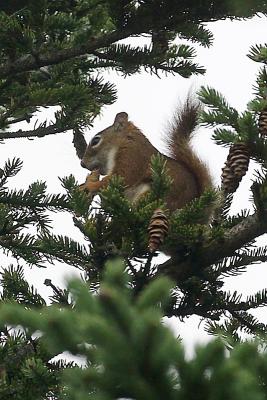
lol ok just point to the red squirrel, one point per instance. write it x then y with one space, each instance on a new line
122 149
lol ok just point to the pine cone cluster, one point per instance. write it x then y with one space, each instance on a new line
263 122
235 167
157 229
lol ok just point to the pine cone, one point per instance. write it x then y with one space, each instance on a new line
235 167
263 122
157 229
229 183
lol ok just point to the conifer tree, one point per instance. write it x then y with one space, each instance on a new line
50 53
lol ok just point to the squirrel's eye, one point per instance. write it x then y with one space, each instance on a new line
95 140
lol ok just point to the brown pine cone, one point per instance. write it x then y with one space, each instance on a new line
235 167
263 122
157 229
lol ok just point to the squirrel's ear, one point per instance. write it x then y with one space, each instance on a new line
120 119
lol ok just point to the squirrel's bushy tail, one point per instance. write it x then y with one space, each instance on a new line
178 142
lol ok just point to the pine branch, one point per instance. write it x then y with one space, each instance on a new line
64 249
196 33
39 132
213 305
237 237
34 198
129 59
248 323
137 22
233 266
231 221
259 299
79 143
22 246
187 310
29 62
214 251
11 168
15 287
221 111
258 53
230 266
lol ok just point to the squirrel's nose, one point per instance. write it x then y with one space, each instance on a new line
83 164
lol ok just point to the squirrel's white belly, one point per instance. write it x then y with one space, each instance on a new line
133 193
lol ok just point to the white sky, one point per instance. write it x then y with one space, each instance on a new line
149 101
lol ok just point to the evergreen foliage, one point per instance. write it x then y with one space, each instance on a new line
27 370
23 212
52 53
241 128
127 351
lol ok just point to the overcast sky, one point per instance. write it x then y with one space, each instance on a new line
150 101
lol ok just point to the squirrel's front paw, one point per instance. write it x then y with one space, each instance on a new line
91 184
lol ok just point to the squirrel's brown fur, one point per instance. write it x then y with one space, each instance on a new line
122 149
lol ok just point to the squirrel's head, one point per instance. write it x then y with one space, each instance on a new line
102 149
